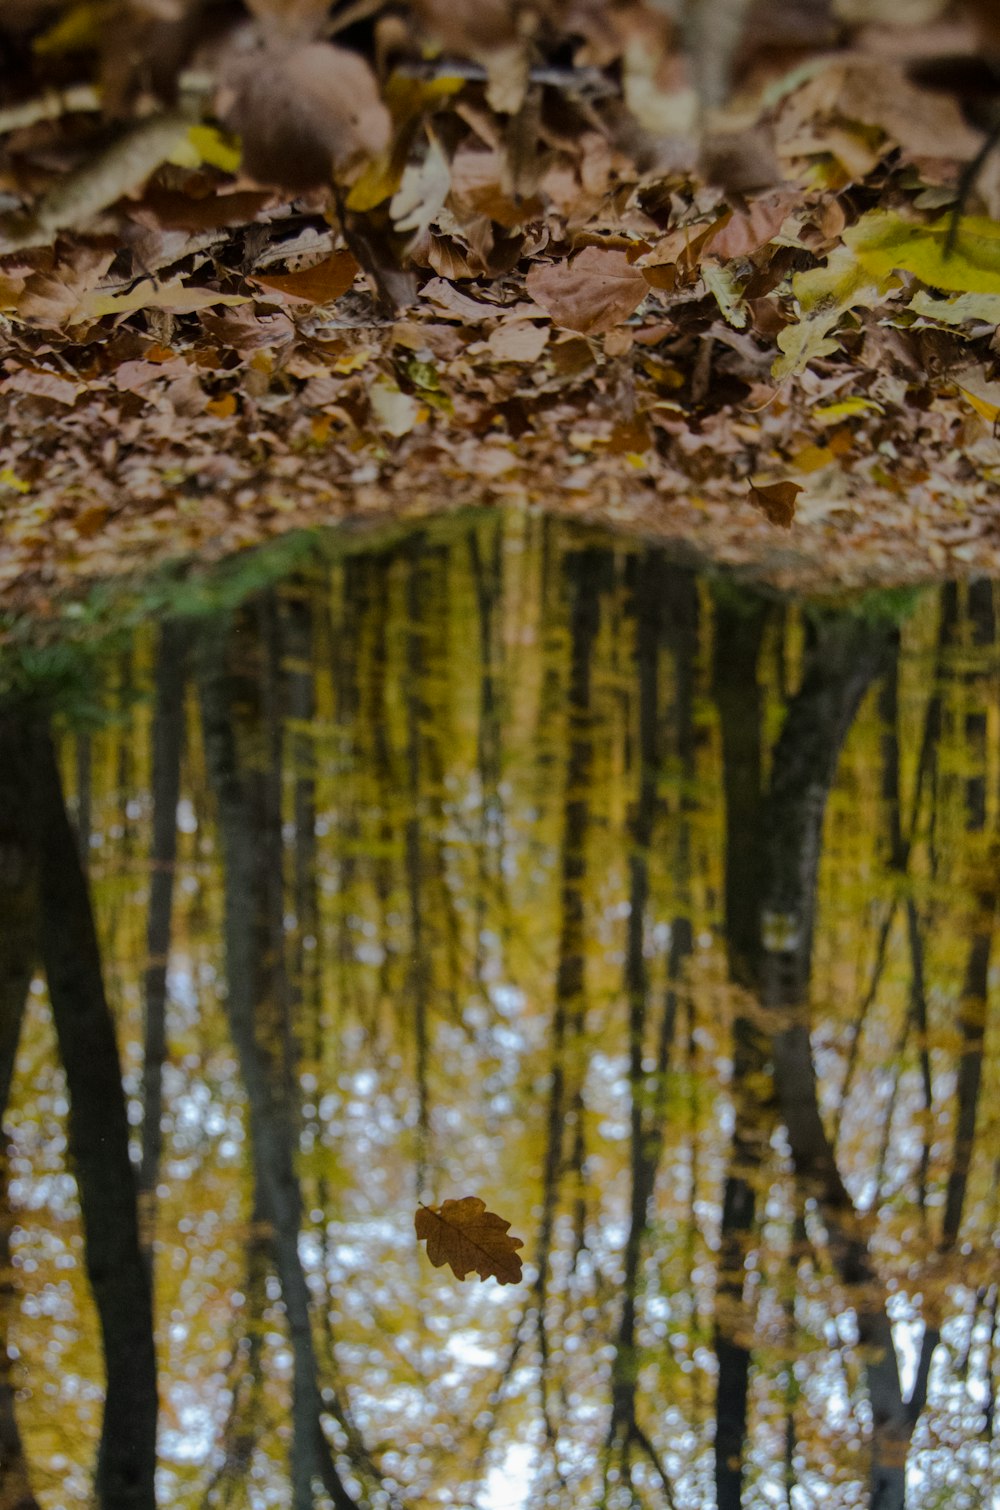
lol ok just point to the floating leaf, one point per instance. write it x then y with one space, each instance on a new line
776 500
471 1239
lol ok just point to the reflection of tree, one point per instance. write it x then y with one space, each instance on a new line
658 592
98 1125
246 780
843 655
18 947
585 573
245 1420
739 625
167 739
379 700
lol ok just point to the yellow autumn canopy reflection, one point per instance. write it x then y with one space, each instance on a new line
511 859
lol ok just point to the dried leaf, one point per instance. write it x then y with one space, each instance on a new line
422 191
776 500
471 1239
174 295
395 411
320 284
518 341
595 291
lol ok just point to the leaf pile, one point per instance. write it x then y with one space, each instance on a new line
271 263
471 1239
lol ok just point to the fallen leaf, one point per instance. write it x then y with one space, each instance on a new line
518 341
422 191
320 284
776 500
592 292
884 243
471 1239
960 309
396 412
176 297
979 391
41 383
825 295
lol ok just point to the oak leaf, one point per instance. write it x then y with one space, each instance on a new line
471 1239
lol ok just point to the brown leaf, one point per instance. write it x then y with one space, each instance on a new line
320 284
776 500
306 113
471 1239
595 291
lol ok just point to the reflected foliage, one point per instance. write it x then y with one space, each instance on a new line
507 861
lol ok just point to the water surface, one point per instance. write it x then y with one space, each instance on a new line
509 861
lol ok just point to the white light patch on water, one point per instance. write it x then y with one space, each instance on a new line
465 1349
907 1335
508 1483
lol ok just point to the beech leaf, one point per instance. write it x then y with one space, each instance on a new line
471 1239
592 292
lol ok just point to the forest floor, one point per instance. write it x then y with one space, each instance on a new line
270 265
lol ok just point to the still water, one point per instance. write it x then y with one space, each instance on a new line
509 861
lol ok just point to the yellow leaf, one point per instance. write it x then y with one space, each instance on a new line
207 144
825 295
222 408
78 29
845 408
10 479
471 1239
407 100
175 296
812 458
961 308
884 242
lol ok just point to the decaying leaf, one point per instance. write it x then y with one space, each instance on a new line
776 500
471 1239
592 292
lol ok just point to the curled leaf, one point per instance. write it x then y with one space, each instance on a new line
471 1239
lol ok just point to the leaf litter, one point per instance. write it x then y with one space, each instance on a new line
285 268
